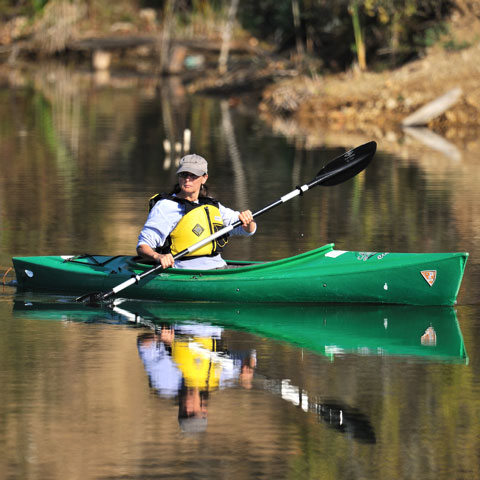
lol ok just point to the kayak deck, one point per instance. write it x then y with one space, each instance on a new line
318 276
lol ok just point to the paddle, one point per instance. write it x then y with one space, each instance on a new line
337 171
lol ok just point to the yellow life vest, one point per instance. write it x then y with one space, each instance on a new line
194 360
201 220
195 226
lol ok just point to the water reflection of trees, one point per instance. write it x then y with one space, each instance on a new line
88 156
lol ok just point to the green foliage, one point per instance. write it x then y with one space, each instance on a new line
454 46
384 32
402 28
268 19
11 8
431 35
38 5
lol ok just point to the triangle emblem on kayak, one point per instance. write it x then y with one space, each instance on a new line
430 276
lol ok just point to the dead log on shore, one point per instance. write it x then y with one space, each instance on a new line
433 109
124 43
112 43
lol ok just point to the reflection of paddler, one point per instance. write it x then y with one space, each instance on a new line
188 361
200 369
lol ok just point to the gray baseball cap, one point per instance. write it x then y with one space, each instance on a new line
194 164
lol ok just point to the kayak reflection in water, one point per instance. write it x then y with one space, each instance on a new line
187 362
186 216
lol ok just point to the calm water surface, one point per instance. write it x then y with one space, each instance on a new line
151 390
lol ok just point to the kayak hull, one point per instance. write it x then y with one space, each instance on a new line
324 275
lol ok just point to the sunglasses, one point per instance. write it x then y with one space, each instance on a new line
185 175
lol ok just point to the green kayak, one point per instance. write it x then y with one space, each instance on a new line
318 276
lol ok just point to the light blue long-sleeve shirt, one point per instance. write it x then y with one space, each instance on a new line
163 218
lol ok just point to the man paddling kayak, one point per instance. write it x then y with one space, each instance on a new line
186 216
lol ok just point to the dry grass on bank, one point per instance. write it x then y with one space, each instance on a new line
378 102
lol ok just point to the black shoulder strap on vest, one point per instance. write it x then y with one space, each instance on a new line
186 203
160 196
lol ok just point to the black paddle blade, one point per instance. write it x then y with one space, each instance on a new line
346 166
347 420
